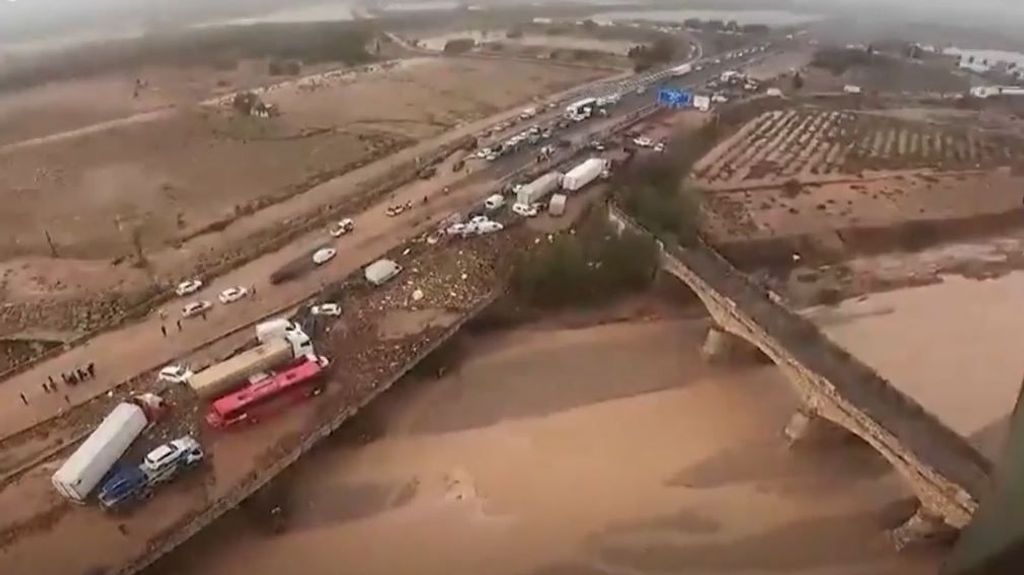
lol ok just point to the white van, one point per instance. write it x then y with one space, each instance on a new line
495 202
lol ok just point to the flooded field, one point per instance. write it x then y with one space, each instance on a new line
609 449
953 346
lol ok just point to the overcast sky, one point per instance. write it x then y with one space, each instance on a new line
19 17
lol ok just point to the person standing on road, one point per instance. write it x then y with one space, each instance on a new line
91 368
46 387
24 399
163 329
64 377
49 379
179 324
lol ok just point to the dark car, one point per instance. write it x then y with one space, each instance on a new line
125 486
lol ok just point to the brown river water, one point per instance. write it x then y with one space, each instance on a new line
599 450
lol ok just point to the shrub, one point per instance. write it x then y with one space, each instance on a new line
587 267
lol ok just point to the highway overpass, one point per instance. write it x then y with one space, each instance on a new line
836 390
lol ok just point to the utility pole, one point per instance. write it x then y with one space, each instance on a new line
49 241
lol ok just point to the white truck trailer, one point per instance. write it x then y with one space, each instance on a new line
578 177
538 189
80 474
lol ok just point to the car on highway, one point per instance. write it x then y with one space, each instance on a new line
343 227
482 153
324 255
492 156
643 142
233 294
659 147
166 461
397 209
326 309
195 308
188 287
175 373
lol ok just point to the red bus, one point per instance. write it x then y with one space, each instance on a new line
269 394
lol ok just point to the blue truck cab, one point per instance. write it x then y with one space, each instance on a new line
123 487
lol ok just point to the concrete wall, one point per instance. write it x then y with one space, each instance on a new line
945 471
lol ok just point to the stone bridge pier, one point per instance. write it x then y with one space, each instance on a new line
824 415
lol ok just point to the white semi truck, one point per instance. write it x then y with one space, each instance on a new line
277 347
82 472
538 189
578 177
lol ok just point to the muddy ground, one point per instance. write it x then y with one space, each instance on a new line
173 176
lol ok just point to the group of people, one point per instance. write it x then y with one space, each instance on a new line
79 374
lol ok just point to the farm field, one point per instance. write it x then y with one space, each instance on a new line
822 145
805 171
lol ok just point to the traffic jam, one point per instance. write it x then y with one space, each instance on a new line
282 367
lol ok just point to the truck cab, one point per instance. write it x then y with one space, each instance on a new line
125 486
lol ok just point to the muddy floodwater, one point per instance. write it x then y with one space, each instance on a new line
596 450
953 346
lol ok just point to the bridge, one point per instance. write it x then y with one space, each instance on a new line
837 391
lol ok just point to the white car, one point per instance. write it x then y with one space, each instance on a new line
487 228
492 156
327 309
175 374
324 255
233 294
643 142
482 153
343 227
524 210
195 308
166 461
659 147
455 229
475 220
188 287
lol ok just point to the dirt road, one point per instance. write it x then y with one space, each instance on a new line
600 450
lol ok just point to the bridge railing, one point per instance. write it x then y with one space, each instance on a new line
918 431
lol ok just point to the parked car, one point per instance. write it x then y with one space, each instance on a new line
324 255
487 227
343 227
524 210
326 309
457 229
175 373
125 486
164 462
494 202
233 294
188 287
195 308
643 142
659 147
